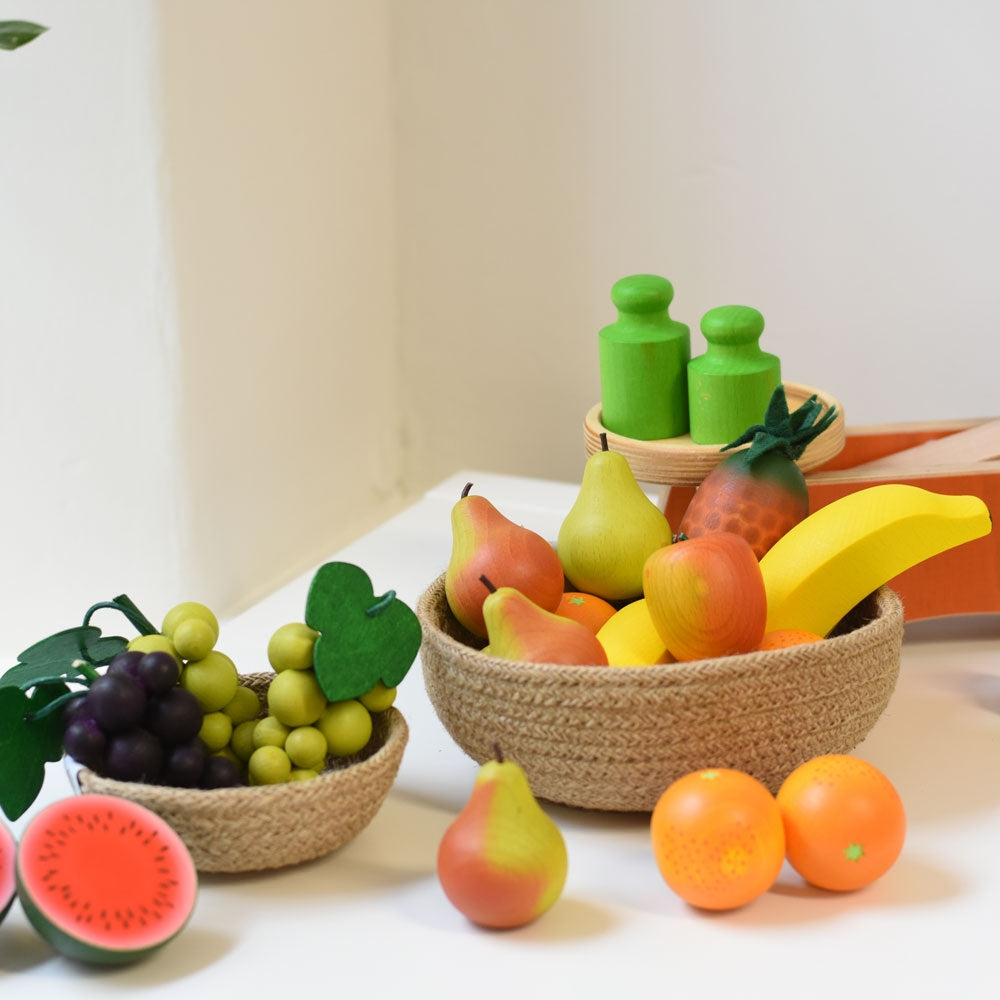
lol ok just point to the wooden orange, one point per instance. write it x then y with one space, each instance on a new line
587 609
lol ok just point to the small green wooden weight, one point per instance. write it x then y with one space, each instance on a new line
643 361
729 386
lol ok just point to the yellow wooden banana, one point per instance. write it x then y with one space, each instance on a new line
630 639
840 553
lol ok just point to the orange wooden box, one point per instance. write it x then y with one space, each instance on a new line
963 580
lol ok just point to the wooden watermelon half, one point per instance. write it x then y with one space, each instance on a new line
8 883
103 879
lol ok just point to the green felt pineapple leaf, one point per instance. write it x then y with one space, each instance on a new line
781 431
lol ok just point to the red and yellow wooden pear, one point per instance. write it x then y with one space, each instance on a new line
518 629
706 596
485 542
502 862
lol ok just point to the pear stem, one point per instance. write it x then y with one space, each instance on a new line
604 440
487 583
465 492
498 753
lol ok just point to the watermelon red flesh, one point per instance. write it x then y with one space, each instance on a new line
103 879
8 883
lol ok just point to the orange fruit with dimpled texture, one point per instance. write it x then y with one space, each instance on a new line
502 862
782 638
587 609
844 821
718 838
486 543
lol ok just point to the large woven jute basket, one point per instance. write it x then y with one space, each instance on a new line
245 828
613 738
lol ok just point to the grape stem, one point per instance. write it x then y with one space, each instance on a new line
125 605
54 705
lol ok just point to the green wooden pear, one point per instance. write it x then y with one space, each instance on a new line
611 529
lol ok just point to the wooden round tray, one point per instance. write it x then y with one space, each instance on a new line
678 461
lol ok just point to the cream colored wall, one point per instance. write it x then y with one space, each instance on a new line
88 443
280 195
270 270
832 164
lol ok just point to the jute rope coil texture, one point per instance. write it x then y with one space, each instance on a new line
247 829
613 738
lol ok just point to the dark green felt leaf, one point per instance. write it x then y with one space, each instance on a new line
363 638
14 34
24 748
48 730
56 654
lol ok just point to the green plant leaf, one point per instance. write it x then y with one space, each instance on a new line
363 638
24 749
47 729
60 655
14 34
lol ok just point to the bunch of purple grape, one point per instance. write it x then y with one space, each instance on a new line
136 723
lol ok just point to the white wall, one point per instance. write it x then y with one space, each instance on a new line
88 443
269 269
198 323
280 196
831 163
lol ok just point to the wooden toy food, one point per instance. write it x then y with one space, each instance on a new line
759 492
486 543
104 880
518 629
177 735
610 530
502 861
706 596
844 821
826 563
718 838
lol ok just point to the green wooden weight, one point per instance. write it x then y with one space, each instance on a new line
643 362
729 386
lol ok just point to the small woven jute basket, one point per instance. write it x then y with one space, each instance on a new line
614 738
244 829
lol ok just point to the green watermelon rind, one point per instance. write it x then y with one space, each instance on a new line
8 883
77 947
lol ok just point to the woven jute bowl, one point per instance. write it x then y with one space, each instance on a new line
613 738
244 829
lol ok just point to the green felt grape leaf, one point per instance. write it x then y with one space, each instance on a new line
363 639
26 744
61 655
14 34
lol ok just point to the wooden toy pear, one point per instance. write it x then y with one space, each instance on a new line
611 529
518 629
485 542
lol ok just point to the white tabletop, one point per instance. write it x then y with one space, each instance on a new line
372 917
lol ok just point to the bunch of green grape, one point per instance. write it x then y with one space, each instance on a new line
302 729
189 632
